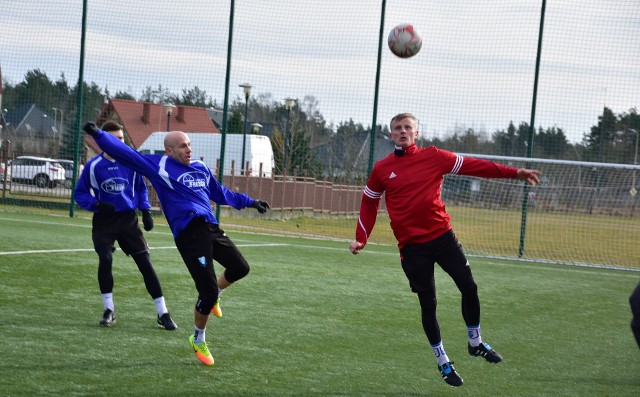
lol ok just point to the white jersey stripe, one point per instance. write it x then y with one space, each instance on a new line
366 233
92 174
457 165
163 172
133 184
371 194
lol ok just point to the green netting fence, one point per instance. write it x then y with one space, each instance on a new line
317 81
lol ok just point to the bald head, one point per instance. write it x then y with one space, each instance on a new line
178 146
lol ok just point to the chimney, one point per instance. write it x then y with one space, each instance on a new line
180 116
146 112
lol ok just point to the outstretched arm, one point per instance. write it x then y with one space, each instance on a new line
119 151
488 169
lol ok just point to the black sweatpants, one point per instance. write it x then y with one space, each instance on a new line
418 262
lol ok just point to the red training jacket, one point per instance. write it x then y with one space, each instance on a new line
412 184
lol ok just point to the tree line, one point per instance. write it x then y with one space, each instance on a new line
612 139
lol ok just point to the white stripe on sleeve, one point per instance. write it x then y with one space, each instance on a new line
457 165
163 172
366 233
371 194
92 174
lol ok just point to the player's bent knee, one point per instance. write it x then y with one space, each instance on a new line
205 304
236 273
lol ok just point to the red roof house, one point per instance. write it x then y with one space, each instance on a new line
140 119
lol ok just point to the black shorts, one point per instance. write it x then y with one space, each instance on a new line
199 245
121 227
418 261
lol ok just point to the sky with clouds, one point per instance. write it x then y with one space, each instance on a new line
475 70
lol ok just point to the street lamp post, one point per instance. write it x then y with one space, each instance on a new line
55 117
169 108
255 128
247 93
56 123
288 104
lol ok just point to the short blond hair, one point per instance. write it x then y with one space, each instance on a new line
401 116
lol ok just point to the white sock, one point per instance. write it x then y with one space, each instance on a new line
160 306
198 335
220 290
475 339
107 301
441 356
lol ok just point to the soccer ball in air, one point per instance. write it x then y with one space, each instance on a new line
404 41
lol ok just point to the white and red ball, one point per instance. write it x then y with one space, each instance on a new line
404 41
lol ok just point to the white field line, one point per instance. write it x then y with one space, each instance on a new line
514 265
2 253
559 267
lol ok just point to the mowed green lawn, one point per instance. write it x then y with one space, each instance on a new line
310 320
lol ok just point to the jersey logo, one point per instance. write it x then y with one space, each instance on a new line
393 175
194 180
114 185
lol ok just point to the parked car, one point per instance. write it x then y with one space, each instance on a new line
68 171
41 171
4 168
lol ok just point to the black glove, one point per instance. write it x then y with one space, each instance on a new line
261 206
105 208
147 220
90 128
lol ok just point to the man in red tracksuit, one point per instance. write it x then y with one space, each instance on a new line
411 179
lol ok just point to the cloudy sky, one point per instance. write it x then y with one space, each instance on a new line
475 70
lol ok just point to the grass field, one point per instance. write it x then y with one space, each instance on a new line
309 320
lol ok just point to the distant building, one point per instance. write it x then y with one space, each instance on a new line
141 119
31 130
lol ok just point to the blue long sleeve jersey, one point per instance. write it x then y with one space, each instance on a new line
185 191
113 183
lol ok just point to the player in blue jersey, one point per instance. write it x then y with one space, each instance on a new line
113 193
185 188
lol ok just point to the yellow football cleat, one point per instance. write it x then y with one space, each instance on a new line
202 352
216 310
